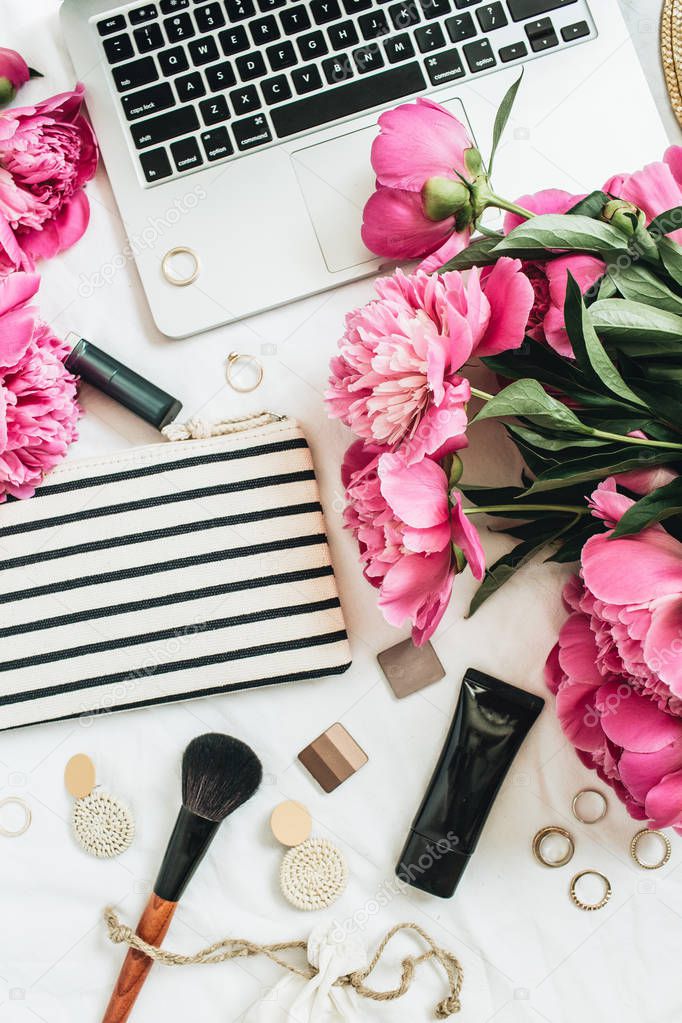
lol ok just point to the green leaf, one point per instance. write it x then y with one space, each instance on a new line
671 255
546 441
529 399
479 253
590 206
588 349
638 284
596 467
661 504
666 222
505 567
620 319
574 541
556 232
501 118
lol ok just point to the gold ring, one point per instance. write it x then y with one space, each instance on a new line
589 792
667 849
14 800
233 360
589 906
180 282
540 837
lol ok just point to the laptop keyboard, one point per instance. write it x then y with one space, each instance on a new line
202 82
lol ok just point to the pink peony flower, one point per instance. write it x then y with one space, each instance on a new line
397 380
14 72
47 153
38 410
406 528
419 143
655 189
617 667
550 278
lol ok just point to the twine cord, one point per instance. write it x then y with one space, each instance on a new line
239 948
201 429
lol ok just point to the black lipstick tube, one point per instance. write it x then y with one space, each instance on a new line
122 384
491 721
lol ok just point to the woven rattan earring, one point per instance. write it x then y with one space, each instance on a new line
103 825
314 873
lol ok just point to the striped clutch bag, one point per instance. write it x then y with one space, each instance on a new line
168 572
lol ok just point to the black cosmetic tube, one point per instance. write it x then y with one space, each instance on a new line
491 721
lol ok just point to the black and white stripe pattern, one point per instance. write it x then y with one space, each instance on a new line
164 573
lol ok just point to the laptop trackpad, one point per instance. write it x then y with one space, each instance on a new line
336 180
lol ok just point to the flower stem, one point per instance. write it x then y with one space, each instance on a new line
510 207
641 441
498 509
476 393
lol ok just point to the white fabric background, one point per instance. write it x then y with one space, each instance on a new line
528 954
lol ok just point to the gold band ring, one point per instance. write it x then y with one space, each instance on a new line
15 801
545 833
575 806
589 906
233 361
180 282
667 849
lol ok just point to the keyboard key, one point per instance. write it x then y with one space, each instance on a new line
281 56
368 58
374 25
324 11
140 14
209 17
577 31
148 101
491 16
114 24
264 30
541 35
405 14
190 87
234 40
444 67
345 100
276 90
461 27
171 6
399 48
179 28
357 6
216 144
176 122
149 37
306 79
312 46
118 48
461 4
220 76
338 69
137 73
251 132
203 51
155 164
435 8
296 19
173 61
270 5
522 9
343 35
237 10
513 52
245 100
479 55
430 37
186 154
251 66
214 110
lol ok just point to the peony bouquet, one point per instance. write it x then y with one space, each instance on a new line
576 306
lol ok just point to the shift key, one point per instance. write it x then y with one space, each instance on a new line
181 121
522 9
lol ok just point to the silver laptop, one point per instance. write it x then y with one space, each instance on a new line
236 133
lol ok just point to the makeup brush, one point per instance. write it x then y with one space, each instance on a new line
219 773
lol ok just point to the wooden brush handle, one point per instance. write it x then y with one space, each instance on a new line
152 928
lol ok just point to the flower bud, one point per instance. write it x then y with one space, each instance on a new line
14 72
623 215
444 197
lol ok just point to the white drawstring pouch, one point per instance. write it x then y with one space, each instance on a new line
297 1000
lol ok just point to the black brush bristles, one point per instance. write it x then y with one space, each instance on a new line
219 773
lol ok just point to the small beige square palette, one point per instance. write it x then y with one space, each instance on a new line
410 668
333 757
